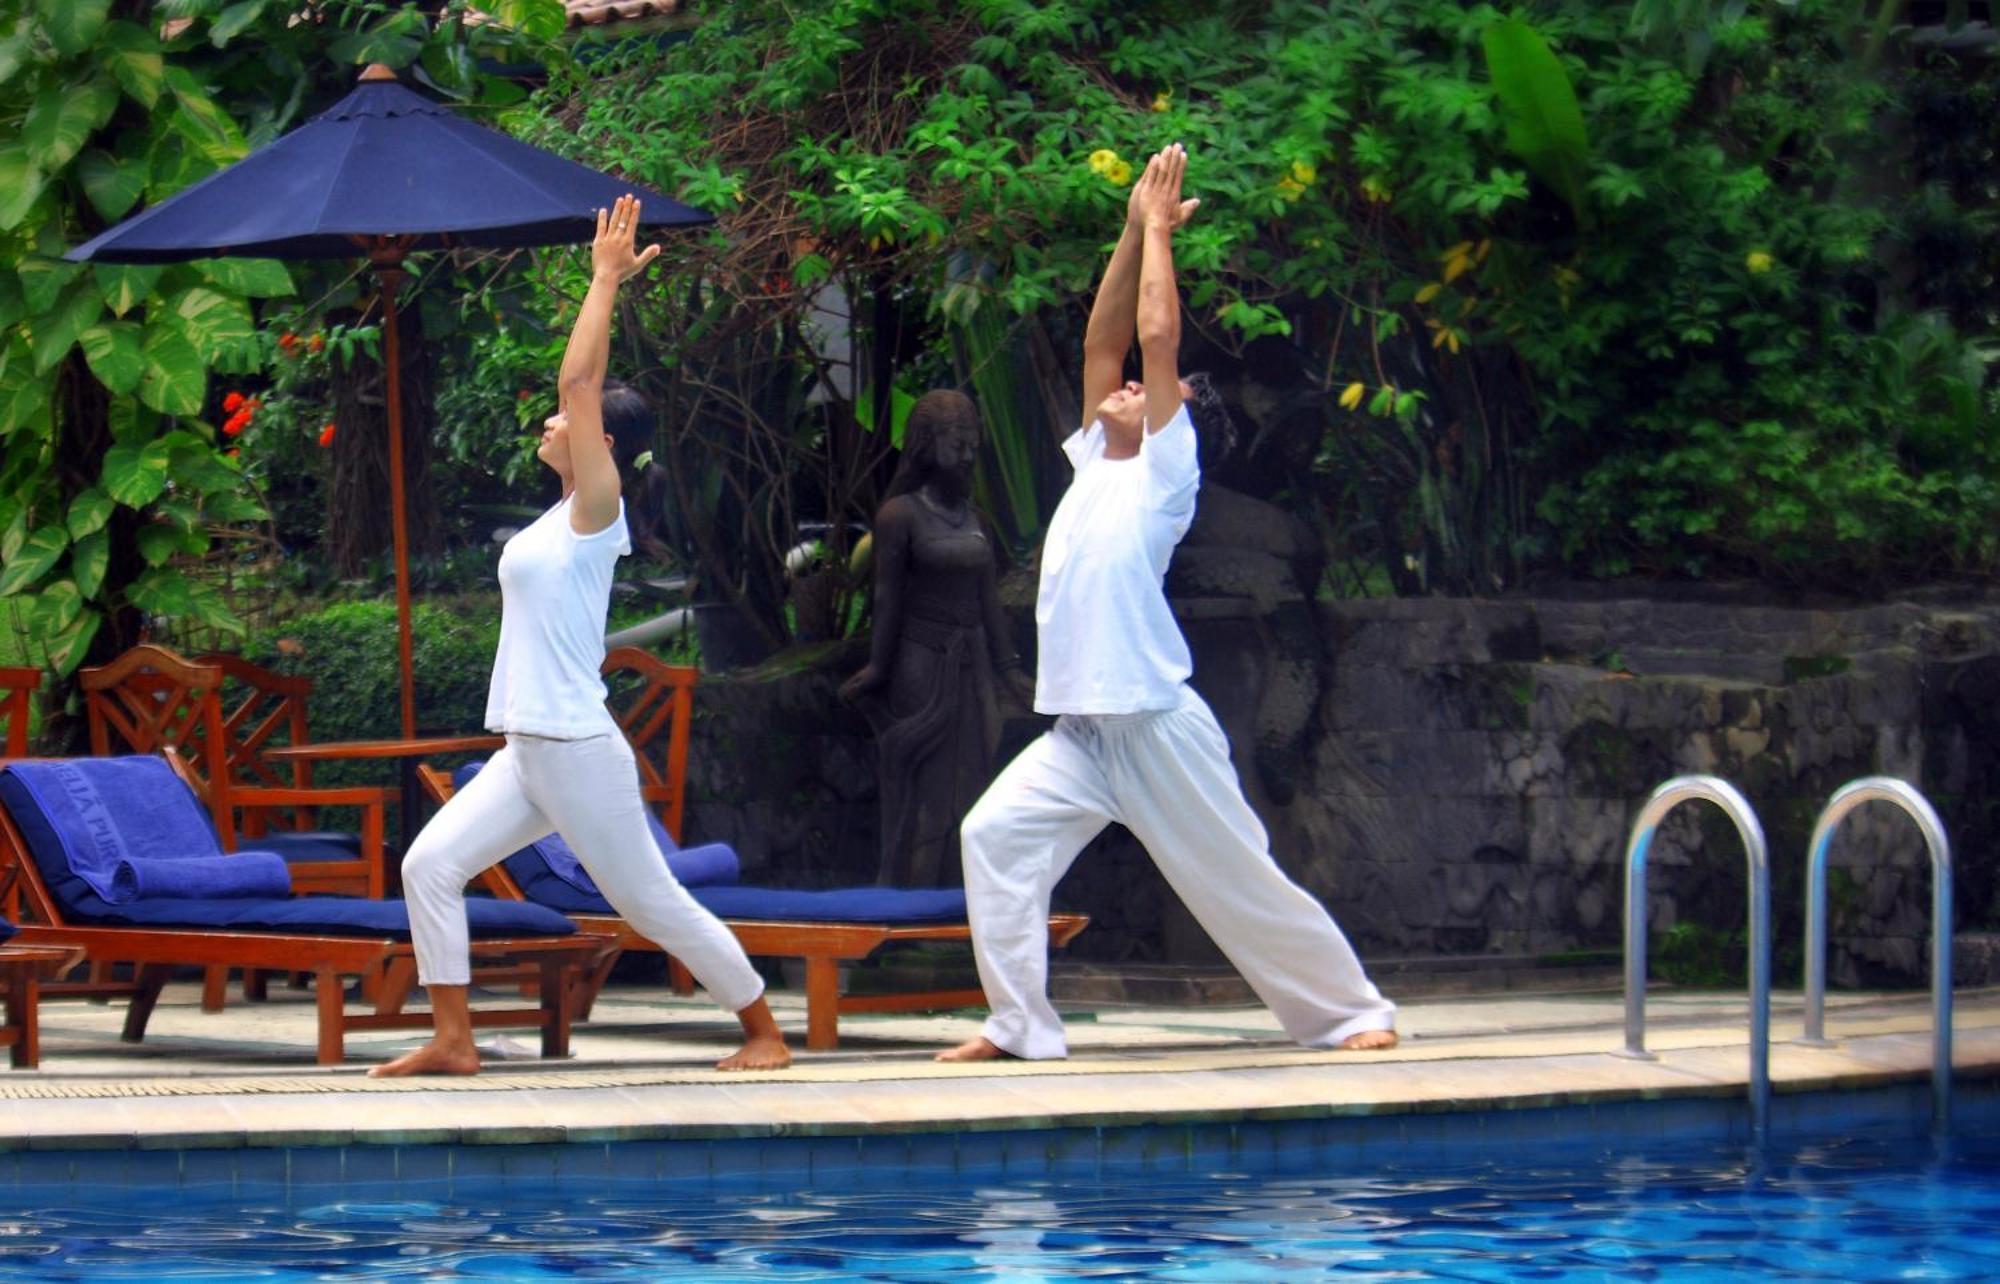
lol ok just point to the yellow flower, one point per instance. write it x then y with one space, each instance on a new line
1303 173
1375 189
1759 261
1289 189
1118 172
1163 100
1350 397
1103 159
1430 292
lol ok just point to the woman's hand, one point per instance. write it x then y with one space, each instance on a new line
612 254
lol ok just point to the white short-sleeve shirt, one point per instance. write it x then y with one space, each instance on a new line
1106 639
555 594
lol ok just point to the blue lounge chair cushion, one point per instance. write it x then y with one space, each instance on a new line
320 916
294 845
837 905
559 878
247 873
81 816
7 929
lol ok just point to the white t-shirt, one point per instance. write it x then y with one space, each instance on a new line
1107 642
555 594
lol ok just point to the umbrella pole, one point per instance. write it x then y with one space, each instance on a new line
388 270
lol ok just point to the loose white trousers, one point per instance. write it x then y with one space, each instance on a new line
1166 776
587 791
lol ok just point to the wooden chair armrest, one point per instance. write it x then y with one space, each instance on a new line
436 783
282 796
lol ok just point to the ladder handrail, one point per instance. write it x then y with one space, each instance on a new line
1668 796
1913 804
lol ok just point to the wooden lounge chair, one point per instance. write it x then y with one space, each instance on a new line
151 699
60 819
822 928
17 686
22 969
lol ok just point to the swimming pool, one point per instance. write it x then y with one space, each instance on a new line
1854 1210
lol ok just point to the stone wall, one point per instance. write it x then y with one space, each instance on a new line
1458 777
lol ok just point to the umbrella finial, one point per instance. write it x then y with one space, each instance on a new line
377 71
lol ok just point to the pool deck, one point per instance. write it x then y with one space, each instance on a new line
641 1070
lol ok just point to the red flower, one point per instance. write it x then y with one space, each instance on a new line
253 405
236 423
288 340
232 402
316 344
232 452
527 393
326 435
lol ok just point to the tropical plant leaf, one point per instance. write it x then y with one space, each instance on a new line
1539 105
541 19
132 55
252 278
88 559
88 512
67 650
20 185
56 607
158 543
62 119
72 24
135 473
161 590
32 560
234 21
203 123
24 395
125 287
42 279
55 333
114 355
213 322
176 379
112 185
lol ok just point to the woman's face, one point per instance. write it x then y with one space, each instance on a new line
955 454
554 447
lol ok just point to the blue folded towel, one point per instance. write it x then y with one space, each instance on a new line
95 812
246 874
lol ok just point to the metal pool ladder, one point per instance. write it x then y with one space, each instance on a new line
1724 795
1845 799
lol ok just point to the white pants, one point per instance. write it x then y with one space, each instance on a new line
587 791
1165 776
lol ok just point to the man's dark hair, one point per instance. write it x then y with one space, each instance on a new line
1210 417
630 420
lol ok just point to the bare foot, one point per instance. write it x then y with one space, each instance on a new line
979 1049
759 1052
1370 1041
429 1059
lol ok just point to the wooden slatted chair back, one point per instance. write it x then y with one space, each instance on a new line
151 699
17 687
263 708
653 702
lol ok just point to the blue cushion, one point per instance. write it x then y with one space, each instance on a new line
81 816
294 846
7 929
320 916
839 905
247 873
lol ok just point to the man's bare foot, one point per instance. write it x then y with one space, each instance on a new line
429 1059
759 1052
1370 1041
979 1049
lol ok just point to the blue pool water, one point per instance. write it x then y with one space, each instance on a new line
1850 1211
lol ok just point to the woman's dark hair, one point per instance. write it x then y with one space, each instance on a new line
1209 416
935 411
629 418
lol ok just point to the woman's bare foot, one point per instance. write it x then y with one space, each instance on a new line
979 1049
432 1058
759 1052
1370 1041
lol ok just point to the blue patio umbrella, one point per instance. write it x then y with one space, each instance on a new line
382 173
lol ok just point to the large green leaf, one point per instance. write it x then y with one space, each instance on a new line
67 649
202 122
1538 103
12 305
125 287
234 21
213 322
112 185
72 24
57 606
114 355
24 395
135 472
55 333
88 512
158 543
252 278
176 378
20 184
542 19
132 55
62 118
42 279
37 554
161 590
87 561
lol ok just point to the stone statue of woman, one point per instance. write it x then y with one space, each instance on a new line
940 646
